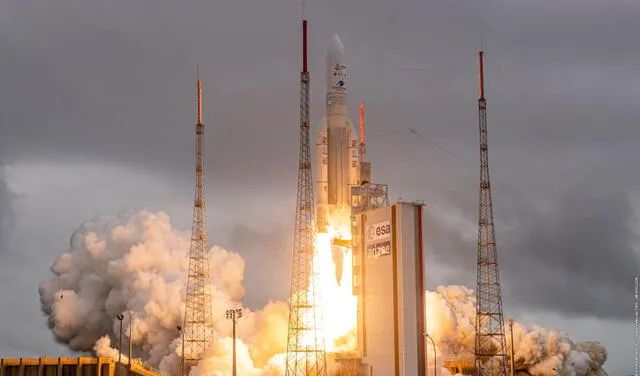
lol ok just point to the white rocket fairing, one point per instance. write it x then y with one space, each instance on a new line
336 147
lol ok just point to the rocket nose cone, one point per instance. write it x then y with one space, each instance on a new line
336 50
335 66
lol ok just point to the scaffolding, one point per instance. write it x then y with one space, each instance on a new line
369 196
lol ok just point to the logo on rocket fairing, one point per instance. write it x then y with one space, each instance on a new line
339 86
340 75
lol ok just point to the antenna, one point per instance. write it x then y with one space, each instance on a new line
199 84
481 74
304 45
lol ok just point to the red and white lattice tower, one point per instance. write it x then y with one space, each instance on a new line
490 349
198 322
305 342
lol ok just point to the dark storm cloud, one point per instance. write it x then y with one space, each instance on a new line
579 256
116 83
574 254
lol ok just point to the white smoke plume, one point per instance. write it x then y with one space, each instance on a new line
537 351
137 262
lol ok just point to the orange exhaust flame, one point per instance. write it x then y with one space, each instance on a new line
339 305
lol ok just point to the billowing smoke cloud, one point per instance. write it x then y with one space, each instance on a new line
137 262
537 351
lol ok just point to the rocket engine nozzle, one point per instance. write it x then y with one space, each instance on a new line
338 252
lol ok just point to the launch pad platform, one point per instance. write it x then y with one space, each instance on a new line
81 366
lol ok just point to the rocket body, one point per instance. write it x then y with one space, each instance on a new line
337 127
336 153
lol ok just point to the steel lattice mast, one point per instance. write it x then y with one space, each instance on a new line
305 343
198 322
491 346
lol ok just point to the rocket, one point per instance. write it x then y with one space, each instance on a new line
337 163
337 143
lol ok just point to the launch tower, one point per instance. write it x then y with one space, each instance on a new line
198 323
305 343
491 355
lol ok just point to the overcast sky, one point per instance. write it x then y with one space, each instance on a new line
97 113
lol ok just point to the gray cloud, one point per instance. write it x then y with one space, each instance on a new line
267 252
99 83
7 211
579 256
113 83
574 255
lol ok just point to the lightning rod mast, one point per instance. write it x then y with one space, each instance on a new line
198 322
305 342
490 347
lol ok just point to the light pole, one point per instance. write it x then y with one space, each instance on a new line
513 367
120 317
234 315
130 338
182 362
435 355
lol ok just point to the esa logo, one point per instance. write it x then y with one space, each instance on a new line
377 231
383 230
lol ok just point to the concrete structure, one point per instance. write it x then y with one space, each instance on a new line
71 367
388 279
